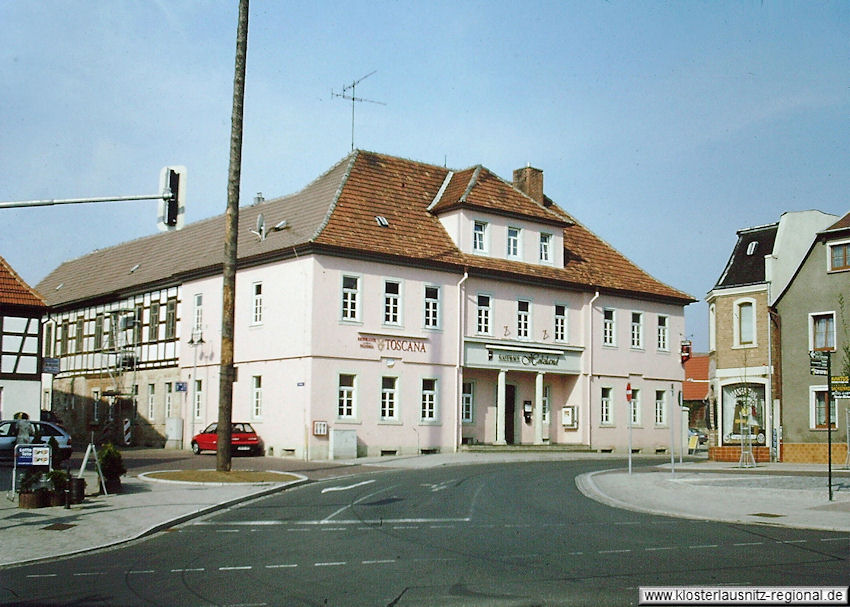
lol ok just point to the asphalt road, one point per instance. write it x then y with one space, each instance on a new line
505 535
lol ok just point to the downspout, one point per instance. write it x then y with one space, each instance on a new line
590 370
459 367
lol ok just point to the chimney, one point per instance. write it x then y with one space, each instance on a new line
530 181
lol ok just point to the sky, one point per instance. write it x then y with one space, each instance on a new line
664 127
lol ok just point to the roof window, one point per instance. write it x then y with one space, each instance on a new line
135 267
382 221
751 248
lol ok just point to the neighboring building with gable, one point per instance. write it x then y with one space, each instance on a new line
21 310
391 306
743 353
814 317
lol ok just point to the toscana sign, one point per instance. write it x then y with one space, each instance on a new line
393 344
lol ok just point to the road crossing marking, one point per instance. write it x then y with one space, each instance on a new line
346 488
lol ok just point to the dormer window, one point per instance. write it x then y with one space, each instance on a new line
545 248
751 248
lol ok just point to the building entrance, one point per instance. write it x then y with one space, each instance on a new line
510 410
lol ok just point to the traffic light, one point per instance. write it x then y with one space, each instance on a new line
172 183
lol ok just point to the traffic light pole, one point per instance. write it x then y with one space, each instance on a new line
47 203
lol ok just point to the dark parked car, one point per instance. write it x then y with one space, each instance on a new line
43 432
243 439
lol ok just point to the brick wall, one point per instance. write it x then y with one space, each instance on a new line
812 453
732 453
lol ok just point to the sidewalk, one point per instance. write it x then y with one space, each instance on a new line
781 494
790 495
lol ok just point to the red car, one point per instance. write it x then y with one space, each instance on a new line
243 439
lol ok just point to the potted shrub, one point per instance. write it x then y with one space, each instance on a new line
31 494
58 479
111 466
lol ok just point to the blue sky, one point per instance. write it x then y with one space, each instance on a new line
663 127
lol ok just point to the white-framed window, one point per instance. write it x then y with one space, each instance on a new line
257 396
432 307
818 397
198 314
346 399
483 325
634 409
169 394
545 250
744 325
513 245
153 322
822 331
392 302
547 392
609 327
479 237
606 412
389 398
257 303
467 402
151 402
198 398
660 408
637 330
429 400
663 334
839 256
523 311
350 298
98 332
560 323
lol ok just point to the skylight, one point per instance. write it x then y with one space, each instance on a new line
751 248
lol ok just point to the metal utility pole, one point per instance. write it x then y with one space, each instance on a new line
227 374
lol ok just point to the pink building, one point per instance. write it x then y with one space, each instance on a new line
393 306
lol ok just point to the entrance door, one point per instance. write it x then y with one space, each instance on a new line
510 410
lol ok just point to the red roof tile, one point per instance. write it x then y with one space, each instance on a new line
13 289
695 386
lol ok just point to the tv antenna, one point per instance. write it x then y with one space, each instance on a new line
345 94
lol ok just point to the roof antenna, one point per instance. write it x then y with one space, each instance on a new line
346 95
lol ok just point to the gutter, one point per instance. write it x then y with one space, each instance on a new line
459 365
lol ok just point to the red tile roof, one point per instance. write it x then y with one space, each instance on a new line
337 213
13 289
695 386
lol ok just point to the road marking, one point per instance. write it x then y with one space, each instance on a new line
331 564
141 571
749 544
703 546
187 570
379 562
346 488
834 539
292 566
439 486
660 548
613 551
227 530
241 568
88 573
34 575
791 542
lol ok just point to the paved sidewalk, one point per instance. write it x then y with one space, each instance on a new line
782 494
791 495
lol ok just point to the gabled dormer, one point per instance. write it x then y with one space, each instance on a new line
487 216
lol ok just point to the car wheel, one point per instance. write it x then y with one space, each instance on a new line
196 449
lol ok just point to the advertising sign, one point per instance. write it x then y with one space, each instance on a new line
32 455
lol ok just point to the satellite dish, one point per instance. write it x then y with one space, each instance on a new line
260 232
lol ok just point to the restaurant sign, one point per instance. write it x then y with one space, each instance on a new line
386 343
520 356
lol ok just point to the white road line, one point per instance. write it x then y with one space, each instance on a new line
42 575
331 564
89 573
613 551
379 562
834 539
141 571
227 530
292 566
749 544
792 542
346 488
362 499
703 546
241 568
660 548
576 553
187 570
385 521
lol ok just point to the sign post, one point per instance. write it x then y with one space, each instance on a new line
629 416
820 363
